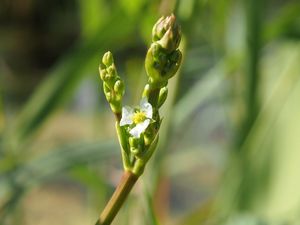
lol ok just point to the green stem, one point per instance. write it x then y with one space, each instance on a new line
153 96
118 116
118 198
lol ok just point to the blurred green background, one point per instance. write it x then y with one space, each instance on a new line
230 143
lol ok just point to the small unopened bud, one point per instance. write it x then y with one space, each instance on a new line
136 146
163 93
102 73
146 91
167 33
161 66
113 86
107 59
108 96
149 135
111 70
169 42
163 57
119 87
158 29
133 142
107 77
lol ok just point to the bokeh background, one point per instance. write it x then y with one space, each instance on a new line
229 151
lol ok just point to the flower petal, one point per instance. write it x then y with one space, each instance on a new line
127 114
139 128
146 107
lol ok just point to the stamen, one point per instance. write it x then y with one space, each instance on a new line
139 117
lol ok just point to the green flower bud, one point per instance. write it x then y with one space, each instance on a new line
102 73
119 87
163 93
163 57
161 66
167 33
108 96
146 91
107 59
158 29
174 63
168 41
106 88
149 135
108 77
134 142
112 71
136 147
113 86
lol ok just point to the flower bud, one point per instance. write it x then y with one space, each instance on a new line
163 57
113 86
134 142
163 93
136 146
161 66
102 73
108 96
146 91
112 71
119 87
167 33
107 59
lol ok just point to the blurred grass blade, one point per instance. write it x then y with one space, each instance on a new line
61 159
148 206
92 16
247 181
49 165
201 215
285 23
66 75
196 95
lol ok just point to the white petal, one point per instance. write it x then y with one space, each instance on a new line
146 107
139 128
127 114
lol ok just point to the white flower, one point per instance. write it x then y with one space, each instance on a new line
141 118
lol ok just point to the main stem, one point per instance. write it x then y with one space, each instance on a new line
118 198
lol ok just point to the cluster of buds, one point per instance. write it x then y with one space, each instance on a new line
163 57
138 127
113 86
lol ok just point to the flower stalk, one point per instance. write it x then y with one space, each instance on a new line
118 198
138 127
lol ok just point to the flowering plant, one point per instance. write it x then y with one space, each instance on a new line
138 127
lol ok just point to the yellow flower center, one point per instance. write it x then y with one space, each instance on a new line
139 117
